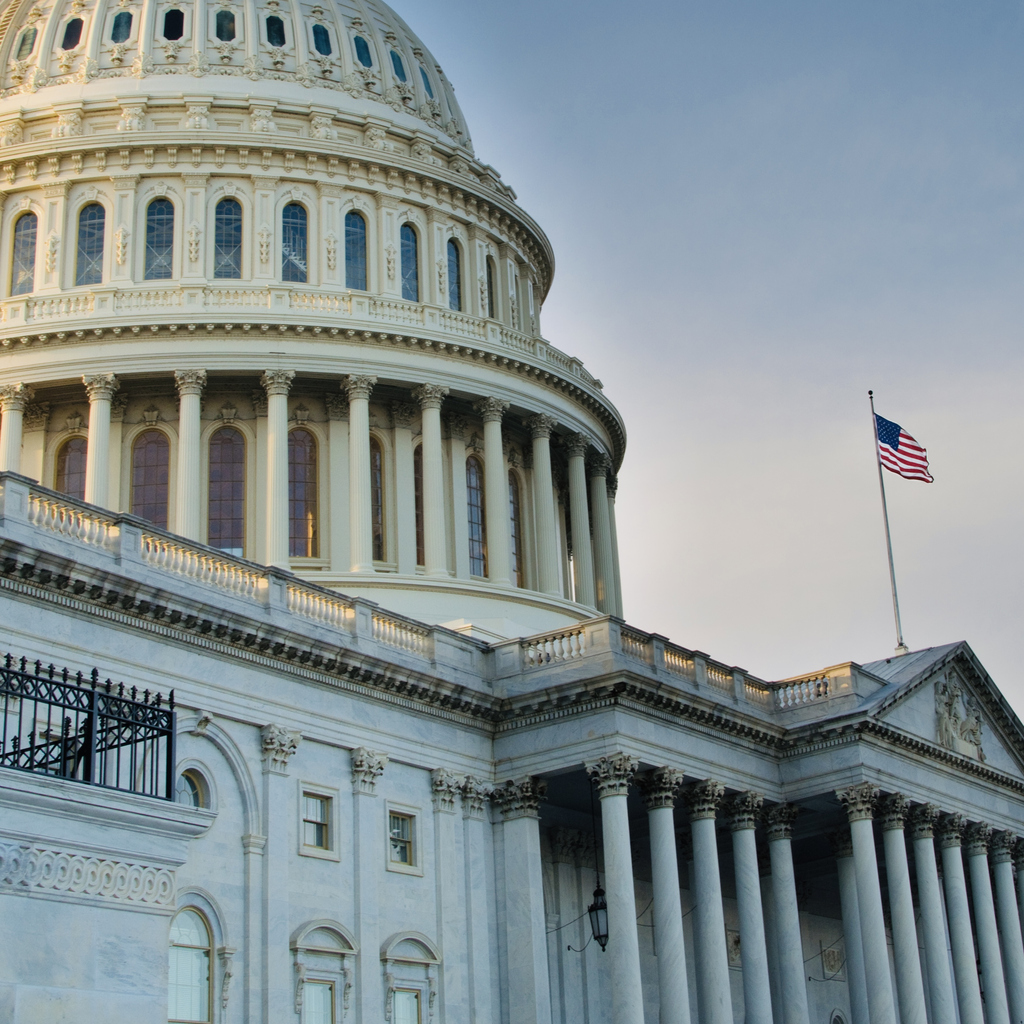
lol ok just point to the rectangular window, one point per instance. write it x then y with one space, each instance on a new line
406 1006
400 827
317 1002
316 821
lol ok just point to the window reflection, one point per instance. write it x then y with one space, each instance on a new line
454 275
23 263
477 527
227 239
410 264
89 264
69 477
303 529
159 240
150 474
226 504
294 242
355 251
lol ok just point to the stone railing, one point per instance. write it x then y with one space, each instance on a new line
565 645
51 513
796 692
181 559
402 633
311 604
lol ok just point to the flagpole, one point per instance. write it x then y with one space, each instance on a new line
901 647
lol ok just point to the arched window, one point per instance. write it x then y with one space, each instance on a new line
363 52
377 498
417 487
303 527
26 44
426 82
159 240
72 34
191 789
275 31
515 528
454 275
294 243
226 504
410 263
174 25
490 288
89 265
188 983
225 26
355 251
322 40
227 239
477 526
69 475
399 67
122 27
151 456
23 261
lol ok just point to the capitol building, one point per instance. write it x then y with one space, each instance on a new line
317 699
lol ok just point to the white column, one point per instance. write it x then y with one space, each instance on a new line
445 789
360 514
612 775
579 514
714 999
101 388
529 995
842 847
496 502
744 810
613 486
1018 861
779 821
997 1011
337 451
402 416
909 984
544 498
277 383
13 399
604 574
1009 922
187 512
659 788
929 897
478 907
859 804
435 541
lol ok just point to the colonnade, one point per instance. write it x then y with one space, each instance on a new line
591 497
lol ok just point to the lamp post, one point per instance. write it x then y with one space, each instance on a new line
598 911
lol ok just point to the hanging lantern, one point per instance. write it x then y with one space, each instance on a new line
598 911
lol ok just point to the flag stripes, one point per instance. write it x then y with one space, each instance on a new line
900 453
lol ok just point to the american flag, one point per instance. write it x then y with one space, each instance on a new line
900 453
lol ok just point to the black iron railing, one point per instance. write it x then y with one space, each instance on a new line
76 727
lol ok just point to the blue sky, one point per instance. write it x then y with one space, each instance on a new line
758 212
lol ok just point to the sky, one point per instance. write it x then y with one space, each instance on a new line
759 211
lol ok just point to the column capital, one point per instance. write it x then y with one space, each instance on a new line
572 846
599 465
520 798
277 382
977 836
612 774
659 787
14 397
475 794
356 386
430 396
1001 847
277 746
402 414
922 820
445 786
893 811
743 811
367 767
337 407
703 799
842 843
540 425
1018 853
101 386
190 382
859 801
491 409
779 820
951 827
576 445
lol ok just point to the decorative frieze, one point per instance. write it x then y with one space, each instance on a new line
612 774
892 811
573 846
922 820
859 801
841 842
36 415
403 414
743 811
445 786
520 798
659 787
958 718
703 799
337 407
779 819
278 745
475 794
976 838
367 767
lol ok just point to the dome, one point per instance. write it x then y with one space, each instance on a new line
352 56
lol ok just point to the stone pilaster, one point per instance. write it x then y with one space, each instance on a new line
100 388
188 515
360 515
277 383
435 541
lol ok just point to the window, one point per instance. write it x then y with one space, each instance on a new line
406 1008
400 828
159 240
69 477
174 25
316 821
151 455
399 67
317 1002
89 265
188 987
227 238
26 44
226 505
23 262
294 236
426 82
454 276
275 31
303 539
363 52
225 26
355 251
190 789
490 288
72 34
322 40
122 27
477 526
410 263
515 528
377 498
417 488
